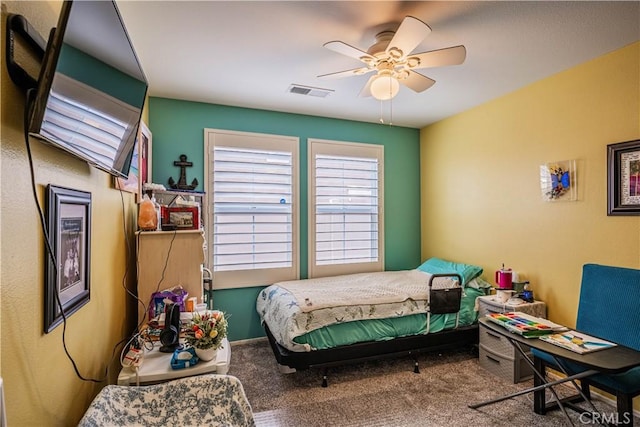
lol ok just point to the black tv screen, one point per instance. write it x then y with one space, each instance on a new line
91 88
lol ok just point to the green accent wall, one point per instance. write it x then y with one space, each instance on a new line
178 128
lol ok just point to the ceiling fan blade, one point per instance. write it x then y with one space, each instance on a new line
348 50
346 73
417 82
366 90
410 34
439 58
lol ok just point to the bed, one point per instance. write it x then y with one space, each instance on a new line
332 321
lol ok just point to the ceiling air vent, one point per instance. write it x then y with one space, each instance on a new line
309 91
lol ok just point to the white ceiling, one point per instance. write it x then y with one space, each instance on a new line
247 54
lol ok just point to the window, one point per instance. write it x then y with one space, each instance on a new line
345 215
252 218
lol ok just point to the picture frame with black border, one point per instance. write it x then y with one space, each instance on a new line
623 178
67 272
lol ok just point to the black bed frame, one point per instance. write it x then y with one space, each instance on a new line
464 336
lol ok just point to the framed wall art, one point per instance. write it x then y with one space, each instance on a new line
623 178
67 268
558 181
180 217
144 153
140 170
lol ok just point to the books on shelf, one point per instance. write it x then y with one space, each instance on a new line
578 342
524 324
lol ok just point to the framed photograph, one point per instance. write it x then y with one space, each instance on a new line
623 178
140 170
144 155
558 181
180 218
67 269
131 183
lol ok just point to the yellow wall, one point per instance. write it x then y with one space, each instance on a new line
40 385
480 187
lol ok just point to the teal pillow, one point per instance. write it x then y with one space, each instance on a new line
439 266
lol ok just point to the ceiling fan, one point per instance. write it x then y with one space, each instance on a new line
394 64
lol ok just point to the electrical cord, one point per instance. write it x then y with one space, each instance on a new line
50 251
164 269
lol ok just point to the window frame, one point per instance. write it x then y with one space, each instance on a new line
253 277
346 149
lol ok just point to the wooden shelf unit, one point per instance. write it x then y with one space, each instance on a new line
184 255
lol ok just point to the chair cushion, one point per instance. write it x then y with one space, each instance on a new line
627 382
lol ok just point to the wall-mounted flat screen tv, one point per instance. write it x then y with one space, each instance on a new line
91 88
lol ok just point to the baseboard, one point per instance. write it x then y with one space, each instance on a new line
594 391
247 341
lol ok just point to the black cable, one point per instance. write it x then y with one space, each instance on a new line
51 253
164 269
129 251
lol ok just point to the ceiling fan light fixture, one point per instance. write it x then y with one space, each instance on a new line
395 53
384 86
413 62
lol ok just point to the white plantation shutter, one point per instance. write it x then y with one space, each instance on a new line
346 209
252 209
346 212
252 203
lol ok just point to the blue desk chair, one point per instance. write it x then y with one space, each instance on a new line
609 308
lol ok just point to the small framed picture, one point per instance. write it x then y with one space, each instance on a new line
140 170
67 268
623 178
181 217
558 181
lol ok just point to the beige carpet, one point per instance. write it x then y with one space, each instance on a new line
387 393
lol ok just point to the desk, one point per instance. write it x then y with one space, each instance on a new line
608 361
156 367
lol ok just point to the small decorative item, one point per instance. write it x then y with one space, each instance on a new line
205 333
147 217
181 218
558 181
182 181
67 269
623 178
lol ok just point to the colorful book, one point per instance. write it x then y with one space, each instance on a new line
578 342
524 324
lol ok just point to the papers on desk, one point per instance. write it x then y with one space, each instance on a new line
578 342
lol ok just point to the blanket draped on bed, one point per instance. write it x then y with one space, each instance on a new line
294 308
364 288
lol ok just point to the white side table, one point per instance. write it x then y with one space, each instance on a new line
156 367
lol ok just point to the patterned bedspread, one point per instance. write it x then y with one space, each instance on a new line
205 400
296 307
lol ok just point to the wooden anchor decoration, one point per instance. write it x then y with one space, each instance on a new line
182 182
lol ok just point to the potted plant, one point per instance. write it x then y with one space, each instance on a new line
205 333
